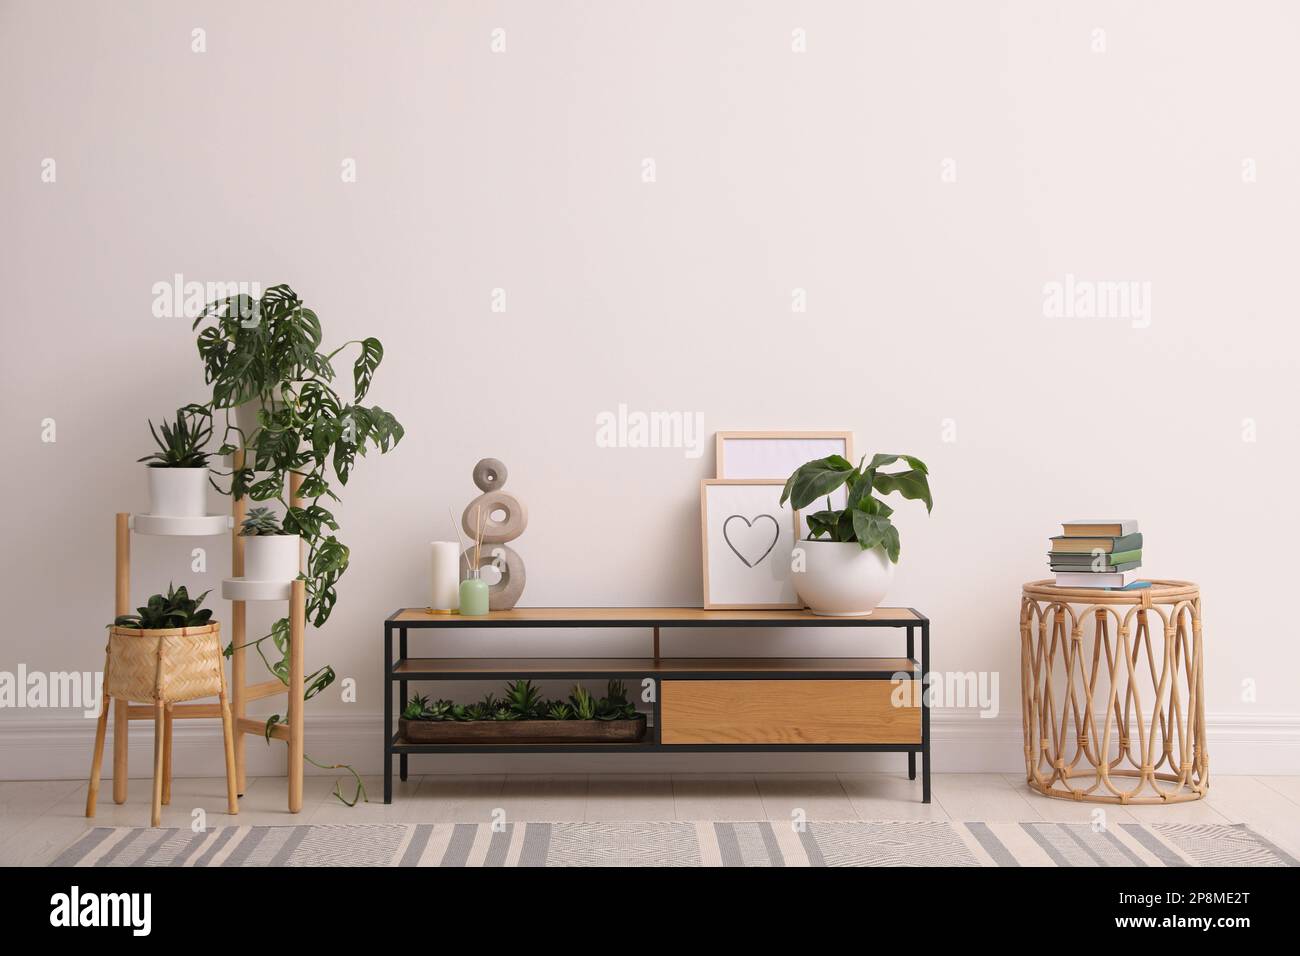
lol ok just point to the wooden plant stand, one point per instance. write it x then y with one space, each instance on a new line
1107 702
239 592
699 704
241 692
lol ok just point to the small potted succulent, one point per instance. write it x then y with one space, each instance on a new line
846 565
138 646
164 612
270 552
178 470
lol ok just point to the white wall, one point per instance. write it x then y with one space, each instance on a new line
776 170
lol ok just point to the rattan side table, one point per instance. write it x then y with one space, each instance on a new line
1112 701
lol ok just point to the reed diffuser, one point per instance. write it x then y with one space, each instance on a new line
474 590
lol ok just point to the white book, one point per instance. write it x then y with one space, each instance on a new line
1096 579
1099 527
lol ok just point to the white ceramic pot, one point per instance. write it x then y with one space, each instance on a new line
178 492
271 557
246 415
839 579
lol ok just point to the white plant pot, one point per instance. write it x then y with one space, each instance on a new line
271 557
178 492
839 579
246 415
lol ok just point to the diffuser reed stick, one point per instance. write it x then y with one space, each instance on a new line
478 537
455 527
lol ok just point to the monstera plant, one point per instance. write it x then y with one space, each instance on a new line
263 359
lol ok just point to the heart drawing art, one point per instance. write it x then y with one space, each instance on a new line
752 543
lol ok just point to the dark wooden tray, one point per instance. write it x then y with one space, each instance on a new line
521 731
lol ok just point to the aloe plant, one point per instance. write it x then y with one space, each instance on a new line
174 609
524 699
583 704
181 442
261 521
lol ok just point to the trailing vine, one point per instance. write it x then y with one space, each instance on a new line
267 352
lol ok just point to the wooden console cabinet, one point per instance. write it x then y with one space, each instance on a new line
700 704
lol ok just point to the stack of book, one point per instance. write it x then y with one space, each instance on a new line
1097 554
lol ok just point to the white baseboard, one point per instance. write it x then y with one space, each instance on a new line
58 748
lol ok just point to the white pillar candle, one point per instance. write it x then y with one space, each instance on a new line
445 575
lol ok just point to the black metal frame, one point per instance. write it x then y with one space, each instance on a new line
654 745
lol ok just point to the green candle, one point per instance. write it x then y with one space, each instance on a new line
473 596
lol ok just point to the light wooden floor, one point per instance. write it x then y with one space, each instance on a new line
39 818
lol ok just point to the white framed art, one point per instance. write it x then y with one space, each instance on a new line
747 539
776 454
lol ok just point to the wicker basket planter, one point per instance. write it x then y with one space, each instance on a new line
163 667
172 665
522 731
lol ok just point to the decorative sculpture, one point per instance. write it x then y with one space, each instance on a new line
490 477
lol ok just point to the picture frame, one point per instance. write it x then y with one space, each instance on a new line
745 565
776 454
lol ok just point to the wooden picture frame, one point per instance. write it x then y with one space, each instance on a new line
797 442
739 572
776 454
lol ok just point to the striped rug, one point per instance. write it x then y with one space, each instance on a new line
849 843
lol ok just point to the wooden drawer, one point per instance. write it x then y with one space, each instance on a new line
785 712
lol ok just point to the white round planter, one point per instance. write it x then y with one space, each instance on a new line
178 492
271 557
840 579
246 414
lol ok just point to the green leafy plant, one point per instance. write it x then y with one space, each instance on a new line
484 709
182 440
266 351
261 521
174 609
583 704
415 708
523 699
614 705
420 708
558 710
864 517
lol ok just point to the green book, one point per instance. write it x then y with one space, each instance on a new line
1089 569
1085 560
